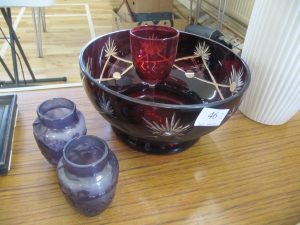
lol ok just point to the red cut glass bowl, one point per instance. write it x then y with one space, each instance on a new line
201 93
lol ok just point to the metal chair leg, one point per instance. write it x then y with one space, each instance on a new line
7 70
38 33
221 12
14 40
44 19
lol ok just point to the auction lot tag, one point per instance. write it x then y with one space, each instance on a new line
211 117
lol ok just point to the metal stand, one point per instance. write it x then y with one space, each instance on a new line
221 12
7 70
14 41
38 25
207 31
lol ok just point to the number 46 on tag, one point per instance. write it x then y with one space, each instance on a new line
211 117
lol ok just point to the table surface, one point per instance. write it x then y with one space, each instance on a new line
242 173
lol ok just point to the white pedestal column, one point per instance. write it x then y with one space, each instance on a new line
272 51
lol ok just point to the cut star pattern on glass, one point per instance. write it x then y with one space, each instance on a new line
235 80
202 51
169 128
105 105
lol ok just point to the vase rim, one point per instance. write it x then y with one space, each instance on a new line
93 164
56 122
176 32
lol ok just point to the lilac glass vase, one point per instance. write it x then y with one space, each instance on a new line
88 174
57 122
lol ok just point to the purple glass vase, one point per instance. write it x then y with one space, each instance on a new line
87 174
57 122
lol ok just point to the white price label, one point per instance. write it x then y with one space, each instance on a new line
211 117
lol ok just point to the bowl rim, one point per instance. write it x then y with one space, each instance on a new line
164 105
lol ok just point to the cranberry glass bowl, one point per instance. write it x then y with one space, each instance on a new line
201 93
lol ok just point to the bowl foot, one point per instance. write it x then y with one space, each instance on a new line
152 147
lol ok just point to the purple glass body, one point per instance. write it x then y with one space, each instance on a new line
57 122
88 174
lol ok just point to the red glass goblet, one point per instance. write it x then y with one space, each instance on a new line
153 50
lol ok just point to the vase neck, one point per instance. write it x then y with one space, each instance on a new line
57 113
86 155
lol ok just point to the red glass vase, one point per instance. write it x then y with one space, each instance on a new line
153 49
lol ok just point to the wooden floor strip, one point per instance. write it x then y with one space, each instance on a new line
90 21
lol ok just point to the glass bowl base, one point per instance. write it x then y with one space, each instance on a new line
152 147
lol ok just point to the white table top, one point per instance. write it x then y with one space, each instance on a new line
25 3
